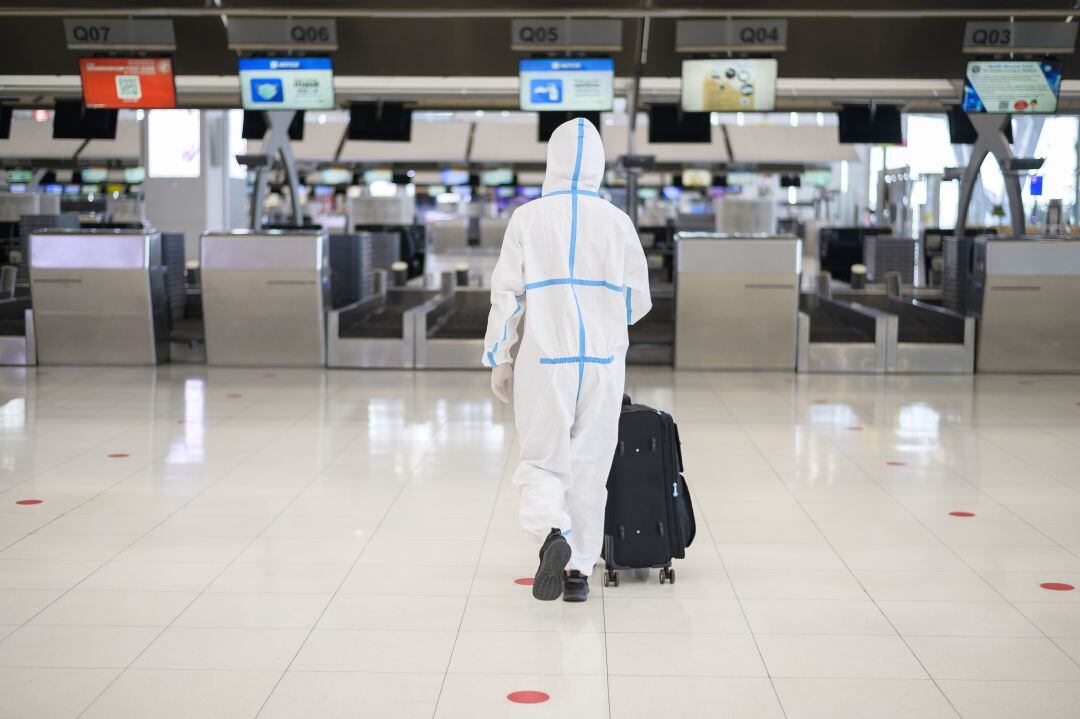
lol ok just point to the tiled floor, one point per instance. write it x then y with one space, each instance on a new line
241 543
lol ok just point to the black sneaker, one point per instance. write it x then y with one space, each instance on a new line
554 554
575 587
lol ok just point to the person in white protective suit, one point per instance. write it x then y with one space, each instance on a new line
576 262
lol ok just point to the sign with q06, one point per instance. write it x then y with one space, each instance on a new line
605 35
87 33
279 34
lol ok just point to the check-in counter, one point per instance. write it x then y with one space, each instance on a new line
838 336
737 301
929 339
265 297
18 344
378 331
1025 292
98 297
450 332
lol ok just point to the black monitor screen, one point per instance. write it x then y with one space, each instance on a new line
255 125
550 120
72 121
668 123
877 125
962 132
380 122
5 122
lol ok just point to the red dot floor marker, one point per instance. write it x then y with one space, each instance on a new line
961 514
234 396
528 697
524 581
1057 586
26 502
118 455
896 463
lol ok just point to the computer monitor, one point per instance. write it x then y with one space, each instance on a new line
1013 86
127 82
729 85
286 83
669 123
548 121
255 125
73 121
879 124
583 84
380 122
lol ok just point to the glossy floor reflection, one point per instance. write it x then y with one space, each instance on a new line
283 543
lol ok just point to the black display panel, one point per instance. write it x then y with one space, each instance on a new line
882 126
72 121
380 122
668 123
550 120
255 125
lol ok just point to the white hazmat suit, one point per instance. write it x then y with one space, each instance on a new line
576 262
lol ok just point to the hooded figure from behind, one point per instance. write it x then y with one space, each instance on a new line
575 264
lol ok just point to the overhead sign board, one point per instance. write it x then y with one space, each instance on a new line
731 35
119 34
1023 37
281 34
595 35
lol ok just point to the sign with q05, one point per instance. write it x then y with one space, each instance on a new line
601 35
88 33
270 34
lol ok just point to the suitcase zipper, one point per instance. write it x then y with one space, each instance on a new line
673 511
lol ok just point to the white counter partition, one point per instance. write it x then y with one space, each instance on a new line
98 297
737 301
265 297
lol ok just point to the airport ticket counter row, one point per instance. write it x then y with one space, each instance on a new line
98 297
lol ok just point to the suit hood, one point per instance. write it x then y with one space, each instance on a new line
575 157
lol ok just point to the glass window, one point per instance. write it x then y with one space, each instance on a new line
173 143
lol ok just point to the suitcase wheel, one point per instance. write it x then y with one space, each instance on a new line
667 574
611 578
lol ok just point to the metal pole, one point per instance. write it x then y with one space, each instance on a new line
641 52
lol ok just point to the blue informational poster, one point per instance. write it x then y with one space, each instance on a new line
1012 86
286 83
566 84
1036 185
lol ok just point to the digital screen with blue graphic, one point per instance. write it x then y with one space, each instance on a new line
300 83
566 84
1013 86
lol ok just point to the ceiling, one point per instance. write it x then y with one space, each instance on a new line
826 39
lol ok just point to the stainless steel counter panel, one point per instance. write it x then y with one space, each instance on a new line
99 297
866 342
265 297
737 301
1026 293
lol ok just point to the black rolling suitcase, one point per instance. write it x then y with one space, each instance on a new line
649 518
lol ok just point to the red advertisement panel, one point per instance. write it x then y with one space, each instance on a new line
127 82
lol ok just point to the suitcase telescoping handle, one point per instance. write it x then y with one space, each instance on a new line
626 399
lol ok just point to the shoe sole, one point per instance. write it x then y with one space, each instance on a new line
548 582
575 598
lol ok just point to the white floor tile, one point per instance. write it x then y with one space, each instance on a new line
525 614
958 619
944 586
114 608
634 697
817 616
84 647
404 612
153 576
1008 700
284 611
179 694
839 657
656 654
862 699
992 658
528 653
19 605
340 695
49 693
234 649
692 615
791 584
353 650
1056 620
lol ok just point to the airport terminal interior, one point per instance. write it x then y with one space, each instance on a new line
251 462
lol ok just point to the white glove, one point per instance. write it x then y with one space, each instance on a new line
502 381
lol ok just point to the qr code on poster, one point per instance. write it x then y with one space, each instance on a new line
128 87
